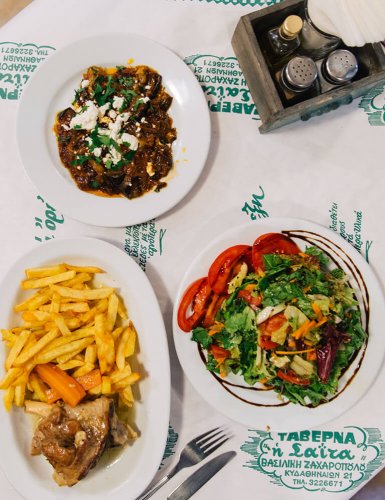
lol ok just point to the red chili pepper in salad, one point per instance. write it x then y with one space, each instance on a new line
195 298
271 243
220 354
265 342
221 269
246 295
291 377
212 309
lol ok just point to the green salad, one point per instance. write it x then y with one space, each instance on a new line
294 326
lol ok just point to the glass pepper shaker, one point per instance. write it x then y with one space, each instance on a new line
338 69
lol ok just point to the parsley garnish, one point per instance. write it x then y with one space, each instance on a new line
94 184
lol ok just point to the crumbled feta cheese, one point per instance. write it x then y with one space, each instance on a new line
85 84
115 155
66 127
104 108
137 124
125 116
88 140
97 152
103 131
153 125
147 87
112 114
106 158
131 140
145 99
87 119
115 129
143 120
117 102
150 170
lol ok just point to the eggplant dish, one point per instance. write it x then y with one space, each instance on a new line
116 138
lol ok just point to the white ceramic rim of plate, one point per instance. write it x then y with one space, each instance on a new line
291 417
59 76
154 412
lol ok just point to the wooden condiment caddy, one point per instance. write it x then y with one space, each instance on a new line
248 45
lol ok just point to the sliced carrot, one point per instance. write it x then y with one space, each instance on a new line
69 389
52 396
294 352
316 308
311 355
90 380
303 329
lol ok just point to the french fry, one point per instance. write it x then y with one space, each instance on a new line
19 395
8 336
43 272
112 311
77 280
95 391
91 354
72 363
27 354
38 387
83 370
32 303
116 333
56 352
119 375
127 381
36 316
129 348
55 303
120 356
49 280
61 324
92 294
75 307
106 385
85 269
8 398
16 348
105 345
10 376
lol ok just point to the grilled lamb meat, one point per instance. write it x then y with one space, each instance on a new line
73 439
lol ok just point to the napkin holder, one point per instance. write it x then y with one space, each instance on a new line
247 43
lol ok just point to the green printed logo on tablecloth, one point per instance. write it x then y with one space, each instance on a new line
143 241
252 3
353 233
223 83
17 62
253 207
373 103
331 461
46 221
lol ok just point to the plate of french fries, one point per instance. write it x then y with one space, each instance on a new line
79 320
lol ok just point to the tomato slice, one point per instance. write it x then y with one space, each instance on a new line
265 342
221 269
246 295
292 377
272 243
212 310
273 323
220 354
195 297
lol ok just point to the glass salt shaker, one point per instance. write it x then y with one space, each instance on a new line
314 42
284 39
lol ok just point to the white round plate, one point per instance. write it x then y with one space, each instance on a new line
259 409
128 474
51 90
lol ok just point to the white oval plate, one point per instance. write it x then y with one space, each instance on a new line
51 90
246 405
129 474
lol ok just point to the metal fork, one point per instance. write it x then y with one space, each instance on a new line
194 451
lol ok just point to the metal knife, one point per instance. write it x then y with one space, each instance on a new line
201 476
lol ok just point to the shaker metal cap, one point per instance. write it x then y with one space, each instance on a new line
341 66
300 73
291 26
